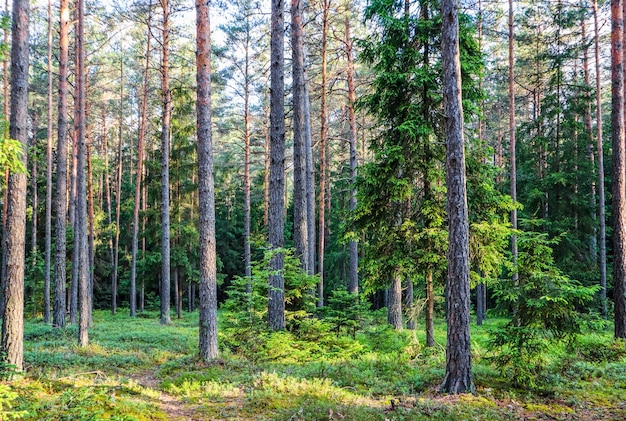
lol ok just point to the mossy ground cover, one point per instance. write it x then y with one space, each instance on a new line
136 369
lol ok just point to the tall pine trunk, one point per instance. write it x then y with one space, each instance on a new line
165 169
322 151
80 233
59 307
353 274
619 167
206 198
15 234
458 378
48 229
300 228
140 156
276 293
600 151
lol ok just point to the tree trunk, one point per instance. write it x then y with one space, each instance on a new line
394 304
353 275
58 318
322 150
246 161
458 377
619 167
91 232
35 201
512 159
140 156
165 169
48 229
600 151
430 310
276 293
408 305
300 229
118 197
15 234
208 270
81 187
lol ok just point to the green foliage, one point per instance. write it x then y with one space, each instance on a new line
11 150
545 302
344 311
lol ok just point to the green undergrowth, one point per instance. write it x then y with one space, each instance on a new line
309 372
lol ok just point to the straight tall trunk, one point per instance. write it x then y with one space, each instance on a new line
5 108
208 270
300 229
322 151
140 156
165 169
59 308
512 159
48 229
247 258
12 345
35 202
600 152
81 186
276 293
353 274
619 166
458 378
118 204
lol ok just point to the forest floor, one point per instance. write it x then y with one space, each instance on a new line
136 369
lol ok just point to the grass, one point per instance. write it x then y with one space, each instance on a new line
136 369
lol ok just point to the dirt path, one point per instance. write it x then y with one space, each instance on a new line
170 405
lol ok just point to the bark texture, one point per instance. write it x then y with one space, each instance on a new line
394 303
300 228
15 234
600 152
48 223
206 199
165 169
140 156
276 293
80 233
60 274
458 378
353 274
619 166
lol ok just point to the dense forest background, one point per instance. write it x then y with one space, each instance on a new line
348 213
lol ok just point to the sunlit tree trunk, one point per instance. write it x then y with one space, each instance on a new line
322 152
59 308
300 229
48 229
353 274
206 198
458 378
140 157
619 167
600 152
276 293
512 159
165 168
15 234
80 232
